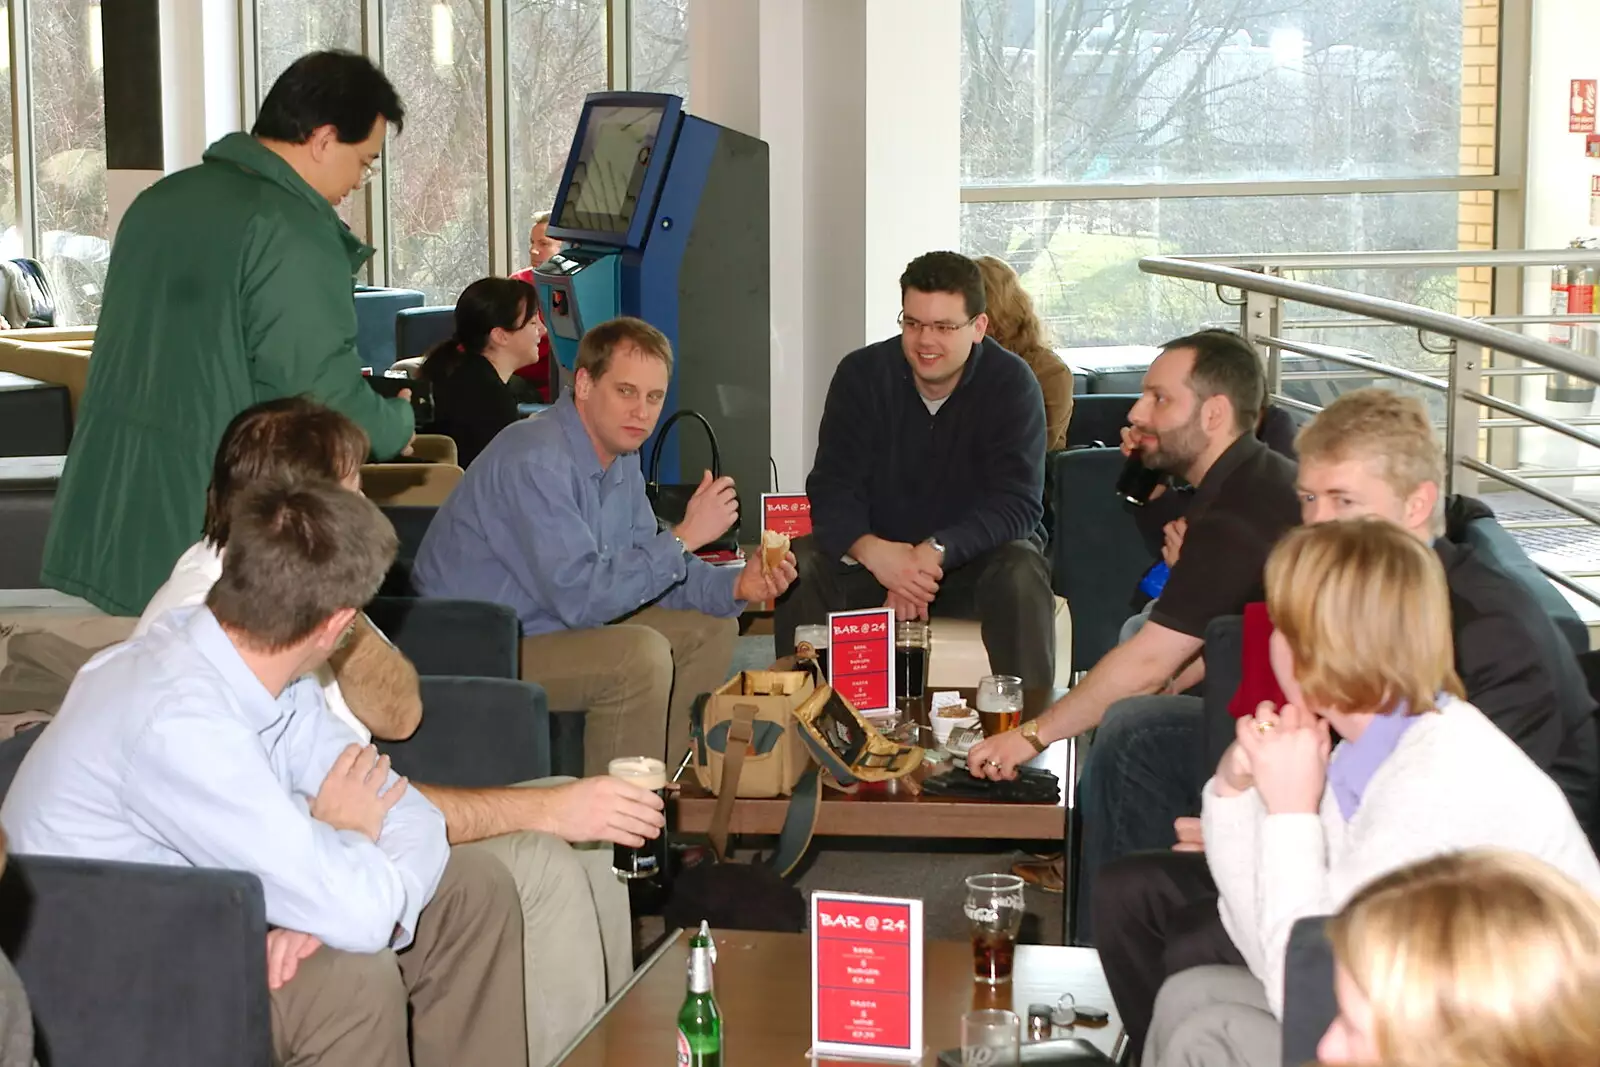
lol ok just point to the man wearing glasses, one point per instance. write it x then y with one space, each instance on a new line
927 489
230 284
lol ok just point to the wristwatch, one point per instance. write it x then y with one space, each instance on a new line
1030 731
938 546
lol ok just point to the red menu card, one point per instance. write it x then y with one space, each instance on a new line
786 513
861 658
866 976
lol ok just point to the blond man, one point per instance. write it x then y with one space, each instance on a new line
620 618
1370 453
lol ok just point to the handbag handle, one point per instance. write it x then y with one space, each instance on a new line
661 439
741 731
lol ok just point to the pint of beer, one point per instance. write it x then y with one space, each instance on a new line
648 859
999 703
994 912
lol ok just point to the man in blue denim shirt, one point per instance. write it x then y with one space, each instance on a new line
619 618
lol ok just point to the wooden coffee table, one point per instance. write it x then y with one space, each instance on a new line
763 984
894 809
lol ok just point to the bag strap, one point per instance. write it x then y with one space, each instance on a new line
661 440
741 730
799 823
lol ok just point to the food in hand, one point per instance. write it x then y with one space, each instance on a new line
774 547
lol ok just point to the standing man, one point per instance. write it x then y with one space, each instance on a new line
620 618
928 484
230 283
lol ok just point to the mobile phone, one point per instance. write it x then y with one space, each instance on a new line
421 394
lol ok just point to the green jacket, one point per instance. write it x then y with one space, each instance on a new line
230 283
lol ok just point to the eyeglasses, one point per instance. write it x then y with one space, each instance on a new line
370 171
943 329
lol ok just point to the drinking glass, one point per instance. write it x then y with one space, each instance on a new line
991 1038
911 658
994 915
999 703
648 860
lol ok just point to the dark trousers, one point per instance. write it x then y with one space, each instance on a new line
1144 771
1155 914
1007 590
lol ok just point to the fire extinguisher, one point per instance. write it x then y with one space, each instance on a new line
1572 292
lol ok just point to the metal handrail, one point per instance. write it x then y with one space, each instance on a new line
1489 337
1492 320
1533 257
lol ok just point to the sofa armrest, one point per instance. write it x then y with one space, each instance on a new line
472 638
141 965
1309 1006
476 733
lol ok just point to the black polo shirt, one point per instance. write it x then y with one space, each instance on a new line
1245 502
1520 672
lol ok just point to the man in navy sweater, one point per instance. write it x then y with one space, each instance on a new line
928 484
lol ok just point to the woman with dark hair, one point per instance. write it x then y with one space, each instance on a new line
497 332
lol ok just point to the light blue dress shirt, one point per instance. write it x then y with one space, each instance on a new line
169 750
538 525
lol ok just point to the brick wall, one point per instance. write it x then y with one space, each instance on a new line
1480 85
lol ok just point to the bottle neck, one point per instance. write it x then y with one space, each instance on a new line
700 969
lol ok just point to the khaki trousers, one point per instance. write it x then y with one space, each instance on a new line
577 932
636 679
461 977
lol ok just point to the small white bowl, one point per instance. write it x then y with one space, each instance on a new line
943 726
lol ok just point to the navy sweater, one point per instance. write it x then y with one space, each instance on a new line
971 475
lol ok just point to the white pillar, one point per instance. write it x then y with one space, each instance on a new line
199 76
1565 33
859 101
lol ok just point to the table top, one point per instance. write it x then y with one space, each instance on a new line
896 809
763 986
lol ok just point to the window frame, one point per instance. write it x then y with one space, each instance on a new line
505 232
1508 181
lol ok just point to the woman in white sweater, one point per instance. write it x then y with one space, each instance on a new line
1294 828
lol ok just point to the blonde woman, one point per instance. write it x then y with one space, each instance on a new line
1293 829
1481 957
1014 325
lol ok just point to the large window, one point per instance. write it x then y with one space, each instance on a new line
437 170
660 46
1084 124
558 56
69 147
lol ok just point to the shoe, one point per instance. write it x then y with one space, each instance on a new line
1054 854
1048 875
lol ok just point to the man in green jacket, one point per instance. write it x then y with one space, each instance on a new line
230 283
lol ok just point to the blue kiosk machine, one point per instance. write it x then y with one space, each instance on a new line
665 216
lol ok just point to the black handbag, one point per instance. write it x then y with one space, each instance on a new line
671 501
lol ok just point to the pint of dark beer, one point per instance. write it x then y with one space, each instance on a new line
994 913
650 858
911 658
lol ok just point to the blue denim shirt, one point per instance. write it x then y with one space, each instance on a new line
538 525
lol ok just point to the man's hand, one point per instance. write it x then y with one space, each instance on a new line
1289 754
285 950
901 568
1172 540
997 758
352 796
603 808
1190 837
905 609
712 509
757 584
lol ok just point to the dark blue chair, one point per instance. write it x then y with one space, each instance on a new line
418 329
376 309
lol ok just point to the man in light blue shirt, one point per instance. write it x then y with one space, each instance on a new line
619 618
207 742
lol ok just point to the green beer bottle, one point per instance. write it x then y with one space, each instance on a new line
699 1021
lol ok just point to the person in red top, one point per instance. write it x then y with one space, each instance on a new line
532 384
